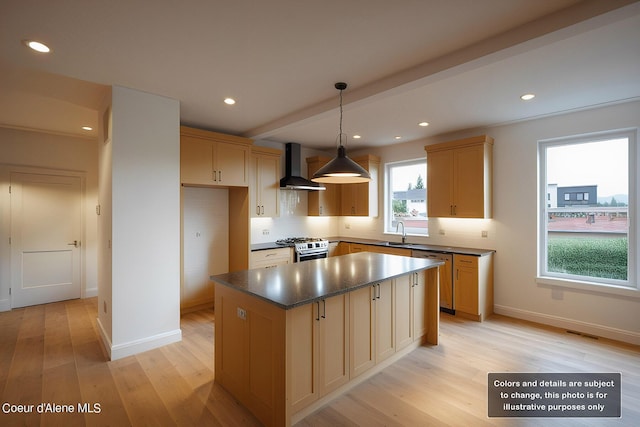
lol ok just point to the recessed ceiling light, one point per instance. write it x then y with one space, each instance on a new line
356 137
527 96
398 137
87 128
37 46
229 101
423 124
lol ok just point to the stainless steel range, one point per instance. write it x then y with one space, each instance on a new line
306 248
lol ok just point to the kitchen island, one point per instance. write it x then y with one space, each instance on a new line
290 338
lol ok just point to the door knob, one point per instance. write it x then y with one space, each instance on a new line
75 243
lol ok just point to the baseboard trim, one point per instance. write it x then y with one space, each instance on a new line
570 324
5 305
90 293
106 341
119 351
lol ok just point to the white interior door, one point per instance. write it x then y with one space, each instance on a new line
46 226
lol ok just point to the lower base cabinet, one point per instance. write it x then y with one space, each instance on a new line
473 286
319 353
283 364
384 319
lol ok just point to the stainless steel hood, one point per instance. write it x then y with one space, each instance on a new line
293 179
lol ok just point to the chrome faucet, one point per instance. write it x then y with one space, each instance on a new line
404 234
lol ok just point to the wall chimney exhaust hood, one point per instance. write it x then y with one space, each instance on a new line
293 179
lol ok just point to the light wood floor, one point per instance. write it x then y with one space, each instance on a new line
52 354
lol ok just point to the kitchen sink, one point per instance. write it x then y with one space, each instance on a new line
395 244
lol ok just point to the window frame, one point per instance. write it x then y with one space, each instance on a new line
388 195
630 287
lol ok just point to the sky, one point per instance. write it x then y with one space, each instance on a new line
404 175
603 163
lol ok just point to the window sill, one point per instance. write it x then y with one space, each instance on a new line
589 287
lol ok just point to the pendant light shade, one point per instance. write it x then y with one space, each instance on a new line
341 169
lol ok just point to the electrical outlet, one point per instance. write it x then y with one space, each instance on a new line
484 233
242 313
265 232
347 226
441 231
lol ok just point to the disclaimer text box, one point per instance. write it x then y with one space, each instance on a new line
554 394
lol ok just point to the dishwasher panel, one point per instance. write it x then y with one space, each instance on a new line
446 277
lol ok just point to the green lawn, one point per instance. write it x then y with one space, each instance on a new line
592 257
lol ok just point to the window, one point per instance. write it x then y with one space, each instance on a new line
406 197
592 239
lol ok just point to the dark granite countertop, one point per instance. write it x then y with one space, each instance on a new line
413 246
292 285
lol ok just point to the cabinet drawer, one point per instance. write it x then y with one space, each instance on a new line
270 258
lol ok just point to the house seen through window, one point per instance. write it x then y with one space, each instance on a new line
585 228
406 197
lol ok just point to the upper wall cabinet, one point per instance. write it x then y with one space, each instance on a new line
325 202
361 199
211 158
459 178
265 182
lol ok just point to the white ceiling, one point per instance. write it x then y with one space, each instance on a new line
457 64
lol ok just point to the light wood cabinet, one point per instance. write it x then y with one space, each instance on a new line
361 247
473 286
318 349
283 364
323 202
385 344
459 178
404 317
410 302
211 158
334 249
265 182
342 249
361 199
372 326
250 363
362 330
419 305
271 257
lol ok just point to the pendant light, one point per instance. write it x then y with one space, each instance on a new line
341 169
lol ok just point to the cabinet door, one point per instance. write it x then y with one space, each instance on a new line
357 247
333 369
446 290
347 200
384 311
466 283
403 311
325 202
270 258
265 184
303 351
419 303
468 189
440 183
231 163
196 161
361 330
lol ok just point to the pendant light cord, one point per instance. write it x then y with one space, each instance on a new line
340 134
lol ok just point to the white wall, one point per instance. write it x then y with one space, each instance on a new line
23 148
145 223
513 230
